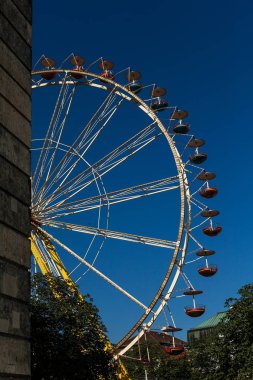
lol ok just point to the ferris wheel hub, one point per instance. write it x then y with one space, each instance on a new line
35 222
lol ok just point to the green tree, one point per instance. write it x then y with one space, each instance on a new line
67 335
236 334
228 353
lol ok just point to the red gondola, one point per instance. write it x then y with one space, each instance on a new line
107 67
158 92
198 158
49 74
208 271
209 213
159 105
170 328
196 311
174 350
133 75
209 192
181 128
48 63
206 176
79 72
195 143
134 85
179 115
210 231
205 252
77 62
192 292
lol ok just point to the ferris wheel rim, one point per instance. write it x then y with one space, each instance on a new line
183 184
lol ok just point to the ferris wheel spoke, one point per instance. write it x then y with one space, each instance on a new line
88 139
86 174
83 148
92 268
55 141
106 164
81 145
112 234
59 106
112 198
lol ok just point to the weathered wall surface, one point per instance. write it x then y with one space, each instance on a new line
15 138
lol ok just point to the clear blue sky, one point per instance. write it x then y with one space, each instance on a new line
201 51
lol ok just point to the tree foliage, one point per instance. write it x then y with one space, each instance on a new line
228 353
67 335
68 340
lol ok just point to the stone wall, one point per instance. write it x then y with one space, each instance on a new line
15 139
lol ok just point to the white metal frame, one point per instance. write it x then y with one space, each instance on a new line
179 246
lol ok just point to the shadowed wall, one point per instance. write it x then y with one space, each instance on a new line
15 172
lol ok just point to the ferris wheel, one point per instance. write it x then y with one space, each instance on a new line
120 200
